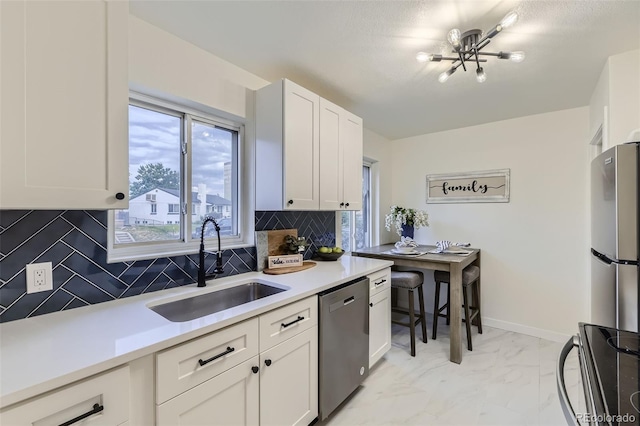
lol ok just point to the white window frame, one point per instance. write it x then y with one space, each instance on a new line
244 192
373 195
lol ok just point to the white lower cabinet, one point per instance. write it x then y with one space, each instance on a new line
99 400
289 381
231 398
219 379
379 315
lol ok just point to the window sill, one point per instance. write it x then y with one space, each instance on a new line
122 253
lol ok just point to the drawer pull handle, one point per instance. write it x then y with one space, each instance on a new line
96 409
283 325
379 282
268 362
213 358
255 369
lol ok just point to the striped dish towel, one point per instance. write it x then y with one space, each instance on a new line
441 246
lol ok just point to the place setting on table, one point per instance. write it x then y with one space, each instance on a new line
407 246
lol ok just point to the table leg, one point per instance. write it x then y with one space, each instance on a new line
455 304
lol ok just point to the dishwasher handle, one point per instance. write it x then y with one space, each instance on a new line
567 408
349 300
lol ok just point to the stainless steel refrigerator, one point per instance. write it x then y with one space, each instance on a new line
614 238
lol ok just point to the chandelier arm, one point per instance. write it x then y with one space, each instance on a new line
488 53
483 43
462 55
475 55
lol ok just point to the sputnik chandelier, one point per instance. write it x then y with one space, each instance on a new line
468 45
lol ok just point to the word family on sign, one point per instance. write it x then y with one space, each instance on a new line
472 187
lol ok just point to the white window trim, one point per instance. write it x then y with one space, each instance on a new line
246 203
374 173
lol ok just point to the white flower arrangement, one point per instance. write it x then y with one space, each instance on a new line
404 216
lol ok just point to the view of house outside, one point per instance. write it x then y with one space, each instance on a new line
156 188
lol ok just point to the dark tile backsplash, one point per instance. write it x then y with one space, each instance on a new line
75 241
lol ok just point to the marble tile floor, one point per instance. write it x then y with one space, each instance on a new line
508 379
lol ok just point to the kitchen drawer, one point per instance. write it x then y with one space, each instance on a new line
178 369
379 281
280 324
231 398
108 392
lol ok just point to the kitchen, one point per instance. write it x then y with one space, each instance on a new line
523 272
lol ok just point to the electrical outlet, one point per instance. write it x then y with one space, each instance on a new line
39 277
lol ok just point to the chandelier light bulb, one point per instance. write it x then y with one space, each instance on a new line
481 77
509 19
517 56
454 37
445 75
422 57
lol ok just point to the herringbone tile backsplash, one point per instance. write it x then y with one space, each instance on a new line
75 241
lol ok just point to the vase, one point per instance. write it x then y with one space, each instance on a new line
407 231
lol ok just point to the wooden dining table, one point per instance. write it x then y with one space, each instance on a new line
453 263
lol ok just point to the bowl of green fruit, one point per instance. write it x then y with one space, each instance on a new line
329 253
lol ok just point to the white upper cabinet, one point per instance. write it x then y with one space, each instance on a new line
340 158
614 109
287 150
351 147
308 151
64 104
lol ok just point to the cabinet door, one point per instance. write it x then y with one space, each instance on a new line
301 148
331 187
103 399
230 398
289 384
379 325
351 141
64 104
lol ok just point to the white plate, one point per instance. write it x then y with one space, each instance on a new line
404 252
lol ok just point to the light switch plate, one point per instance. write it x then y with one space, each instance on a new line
39 277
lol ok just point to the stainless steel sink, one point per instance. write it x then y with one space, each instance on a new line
216 301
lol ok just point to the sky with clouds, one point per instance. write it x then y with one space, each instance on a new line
154 137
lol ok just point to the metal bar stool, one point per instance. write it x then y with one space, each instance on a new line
470 278
409 281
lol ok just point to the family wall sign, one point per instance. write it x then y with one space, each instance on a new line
491 186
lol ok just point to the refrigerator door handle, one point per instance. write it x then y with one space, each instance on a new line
601 257
604 258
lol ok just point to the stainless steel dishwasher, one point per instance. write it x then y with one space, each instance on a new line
344 343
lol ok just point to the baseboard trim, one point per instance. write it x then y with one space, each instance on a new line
523 329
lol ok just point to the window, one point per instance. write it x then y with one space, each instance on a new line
178 158
356 226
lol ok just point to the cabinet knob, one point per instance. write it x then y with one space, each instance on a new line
341 204
371 304
347 205
255 369
119 196
268 362
290 202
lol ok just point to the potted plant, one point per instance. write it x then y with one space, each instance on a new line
405 220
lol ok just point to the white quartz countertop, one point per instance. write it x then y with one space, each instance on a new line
48 351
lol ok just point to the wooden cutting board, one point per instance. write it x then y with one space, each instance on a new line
271 243
279 271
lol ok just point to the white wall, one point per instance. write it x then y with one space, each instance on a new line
160 61
535 250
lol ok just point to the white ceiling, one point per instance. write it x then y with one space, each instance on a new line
361 54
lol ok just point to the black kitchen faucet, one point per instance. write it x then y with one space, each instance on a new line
201 269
